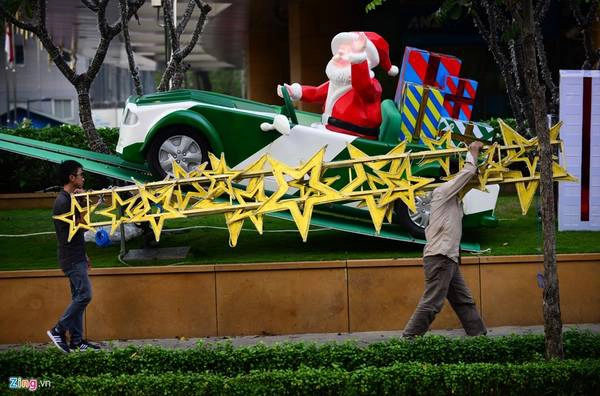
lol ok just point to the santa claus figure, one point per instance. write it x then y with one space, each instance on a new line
352 97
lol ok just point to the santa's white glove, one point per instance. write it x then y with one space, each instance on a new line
356 57
294 90
280 124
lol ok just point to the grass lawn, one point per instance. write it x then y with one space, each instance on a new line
516 234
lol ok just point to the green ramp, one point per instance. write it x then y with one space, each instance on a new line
103 164
357 225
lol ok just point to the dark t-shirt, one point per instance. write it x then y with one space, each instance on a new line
69 253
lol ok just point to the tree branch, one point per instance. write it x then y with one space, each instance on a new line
168 17
130 58
178 55
592 55
10 18
102 22
186 18
502 60
591 12
91 4
133 7
541 9
204 10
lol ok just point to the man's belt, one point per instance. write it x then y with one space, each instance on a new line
353 128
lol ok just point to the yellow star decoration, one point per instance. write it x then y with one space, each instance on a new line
445 142
116 203
319 193
513 138
402 185
183 200
78 217
555 130
162 197
377 213
373 182
220 177
254 192
490 167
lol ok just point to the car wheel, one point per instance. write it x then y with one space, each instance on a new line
184 146
414 222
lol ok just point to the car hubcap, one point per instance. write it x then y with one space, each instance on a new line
181 149
421 216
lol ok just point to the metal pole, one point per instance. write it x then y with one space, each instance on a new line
14 70
7 71
14 87
123 251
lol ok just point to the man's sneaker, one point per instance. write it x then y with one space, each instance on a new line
85 345
58 339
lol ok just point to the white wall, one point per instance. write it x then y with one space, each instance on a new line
35 79
571 113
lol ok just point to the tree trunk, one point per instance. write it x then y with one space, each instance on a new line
87 122
551 297
133 69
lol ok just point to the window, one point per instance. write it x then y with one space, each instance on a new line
63 108
19 54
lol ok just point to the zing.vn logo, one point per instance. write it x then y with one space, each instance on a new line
31 384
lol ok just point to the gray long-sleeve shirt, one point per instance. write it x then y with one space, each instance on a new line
445 222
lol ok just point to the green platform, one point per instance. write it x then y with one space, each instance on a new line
103 164
340 218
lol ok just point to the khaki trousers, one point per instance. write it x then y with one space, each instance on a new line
443 279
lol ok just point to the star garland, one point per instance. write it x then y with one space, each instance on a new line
376 183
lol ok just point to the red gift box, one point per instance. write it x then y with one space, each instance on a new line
425 68
459 96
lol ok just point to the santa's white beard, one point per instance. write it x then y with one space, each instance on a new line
338 75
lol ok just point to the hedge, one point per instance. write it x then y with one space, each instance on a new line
579 377
224 359
25 174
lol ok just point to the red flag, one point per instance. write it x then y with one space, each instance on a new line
8 45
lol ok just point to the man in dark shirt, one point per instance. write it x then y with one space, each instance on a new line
74 262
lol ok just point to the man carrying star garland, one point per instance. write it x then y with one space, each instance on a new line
74 262
441 257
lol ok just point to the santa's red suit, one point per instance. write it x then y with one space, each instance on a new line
352 98
354 108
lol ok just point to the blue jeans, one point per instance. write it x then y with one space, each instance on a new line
81 295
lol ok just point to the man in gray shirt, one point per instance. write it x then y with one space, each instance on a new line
74 262
441 257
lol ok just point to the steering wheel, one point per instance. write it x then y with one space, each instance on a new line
288 107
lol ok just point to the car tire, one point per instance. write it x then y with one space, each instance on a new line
414 223
184 145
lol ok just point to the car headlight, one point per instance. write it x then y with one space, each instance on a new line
130 118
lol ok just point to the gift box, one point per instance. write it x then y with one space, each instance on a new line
422 108
465 131
459 96
425 68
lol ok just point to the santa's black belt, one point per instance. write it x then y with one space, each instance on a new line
353 128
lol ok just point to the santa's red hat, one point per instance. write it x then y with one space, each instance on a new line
377 49
383 53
